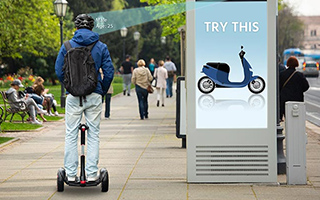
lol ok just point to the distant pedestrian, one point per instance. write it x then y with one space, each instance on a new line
281 66
292 85
126 70
152 66
141 77
108 102
161 75
171 68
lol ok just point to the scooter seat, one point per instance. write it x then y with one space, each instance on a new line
220 66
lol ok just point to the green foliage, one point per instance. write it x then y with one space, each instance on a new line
170 24
291 29
30 36
28 26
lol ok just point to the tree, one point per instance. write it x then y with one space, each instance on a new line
170 24
290 28
30 36
28 26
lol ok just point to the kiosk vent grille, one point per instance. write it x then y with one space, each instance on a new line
232 160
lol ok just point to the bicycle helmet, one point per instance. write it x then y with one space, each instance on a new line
84 21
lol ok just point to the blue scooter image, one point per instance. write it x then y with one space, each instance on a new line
217 75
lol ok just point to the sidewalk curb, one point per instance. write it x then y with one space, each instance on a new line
9 142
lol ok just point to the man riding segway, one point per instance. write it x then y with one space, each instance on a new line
77 66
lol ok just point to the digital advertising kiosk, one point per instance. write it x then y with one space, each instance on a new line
231 91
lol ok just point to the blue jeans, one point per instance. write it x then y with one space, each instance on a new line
127 82
38 99
108 101
142 95
169 86
92 113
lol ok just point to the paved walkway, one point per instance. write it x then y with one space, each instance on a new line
144 160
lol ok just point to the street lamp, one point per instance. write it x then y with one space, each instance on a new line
60 7
163 42
136 37
123 33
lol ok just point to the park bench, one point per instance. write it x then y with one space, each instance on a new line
12 108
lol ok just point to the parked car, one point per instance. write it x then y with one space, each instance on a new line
310 68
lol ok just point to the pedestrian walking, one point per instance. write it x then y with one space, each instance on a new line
171 68
161 75
91 107
108 102
141 77
126 70
292 84
152 66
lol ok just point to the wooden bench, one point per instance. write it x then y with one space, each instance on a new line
12 108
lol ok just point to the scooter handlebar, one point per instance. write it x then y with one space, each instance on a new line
241 54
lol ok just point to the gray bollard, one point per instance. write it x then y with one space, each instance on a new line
296 140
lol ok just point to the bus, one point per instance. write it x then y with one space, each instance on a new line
307 54
291 52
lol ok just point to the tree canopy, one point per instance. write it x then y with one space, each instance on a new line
28 27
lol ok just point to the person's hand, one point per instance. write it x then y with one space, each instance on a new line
27 96
45 91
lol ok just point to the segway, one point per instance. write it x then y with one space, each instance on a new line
62 177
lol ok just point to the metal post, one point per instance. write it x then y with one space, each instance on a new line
183 50
281 159
63 97
137 50
124 49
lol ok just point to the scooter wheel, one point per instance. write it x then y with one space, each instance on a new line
60 179
257 85
206 85
105 182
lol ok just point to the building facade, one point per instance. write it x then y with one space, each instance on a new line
311 32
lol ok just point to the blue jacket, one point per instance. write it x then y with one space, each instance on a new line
100 55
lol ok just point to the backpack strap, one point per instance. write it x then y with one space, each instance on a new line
67 45
288 79
92 45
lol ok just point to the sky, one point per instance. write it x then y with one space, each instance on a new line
305 7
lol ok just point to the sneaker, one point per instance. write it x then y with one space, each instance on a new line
42 112
56 113
162 105
128 94
36 122
158 103
92 179
124 92
73 179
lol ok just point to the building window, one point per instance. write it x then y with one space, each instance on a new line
313 33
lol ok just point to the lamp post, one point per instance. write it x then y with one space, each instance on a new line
123 33
136 37
60 9
163 42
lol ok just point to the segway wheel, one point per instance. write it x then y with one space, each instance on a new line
206 85
257 85
60 179
105 182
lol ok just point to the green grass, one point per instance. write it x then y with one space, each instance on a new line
7 126
5 139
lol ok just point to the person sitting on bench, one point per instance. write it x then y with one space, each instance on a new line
12 95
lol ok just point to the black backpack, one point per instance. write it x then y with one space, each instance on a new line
80 75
